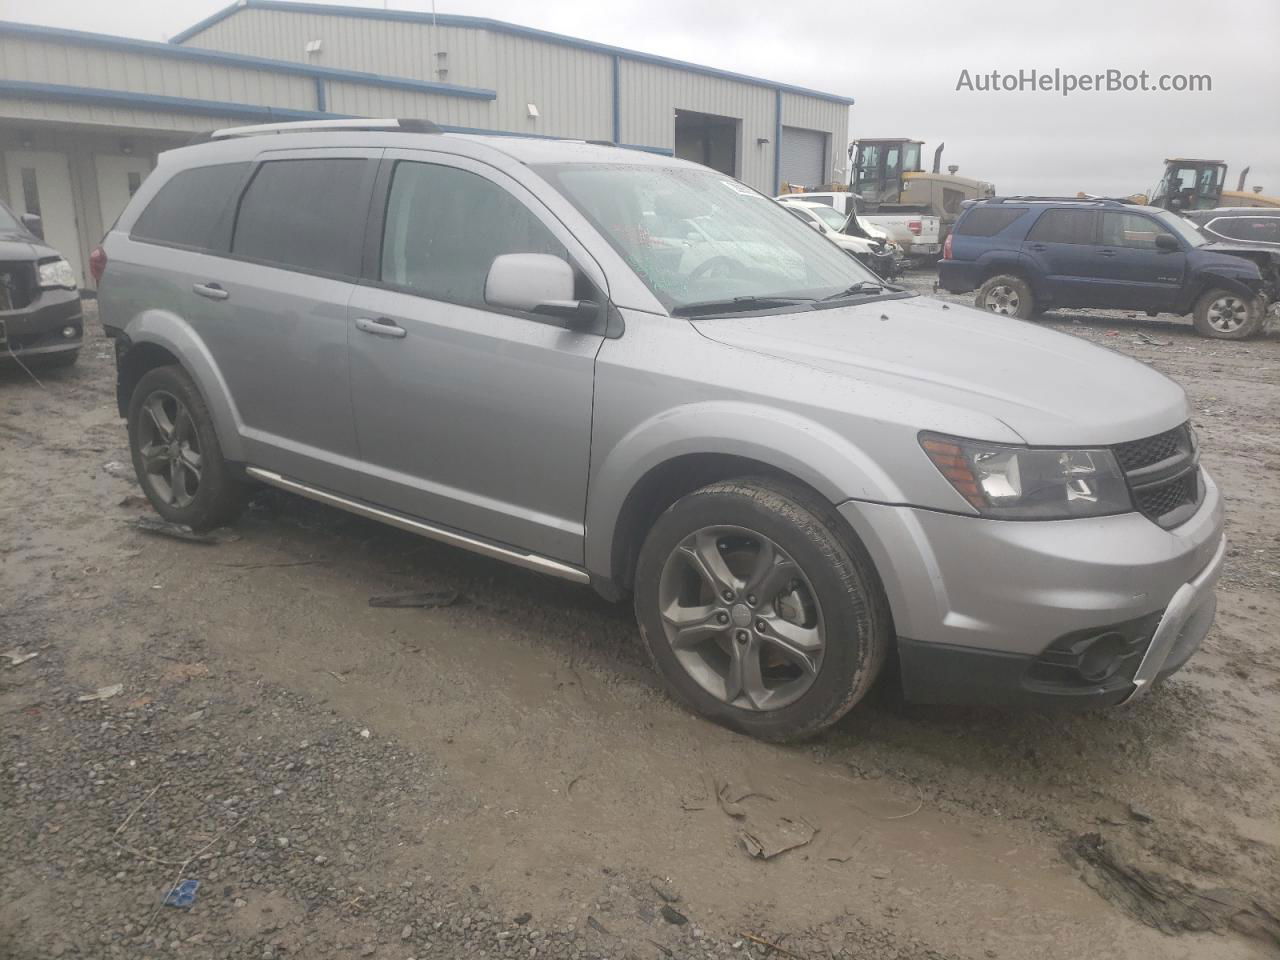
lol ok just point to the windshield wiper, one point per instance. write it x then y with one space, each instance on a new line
736 305
862 286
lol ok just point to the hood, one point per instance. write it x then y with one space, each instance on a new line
17 246
1049 388
1230 253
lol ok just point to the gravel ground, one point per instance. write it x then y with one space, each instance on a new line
503 778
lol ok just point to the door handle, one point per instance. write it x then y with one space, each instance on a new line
213 291
1106 253
1038 246
381 327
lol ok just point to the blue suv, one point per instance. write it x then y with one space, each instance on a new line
1028 254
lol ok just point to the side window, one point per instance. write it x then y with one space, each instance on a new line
305 214
193 209
445 226
988 221
1130 230
1264 229
1063 226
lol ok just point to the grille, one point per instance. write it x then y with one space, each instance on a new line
1161 499
1143 453
15 285
1163 474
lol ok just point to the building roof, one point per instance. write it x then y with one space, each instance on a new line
497 26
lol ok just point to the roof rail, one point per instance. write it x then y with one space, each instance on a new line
406 125
1114 201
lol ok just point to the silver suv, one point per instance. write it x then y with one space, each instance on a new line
634 372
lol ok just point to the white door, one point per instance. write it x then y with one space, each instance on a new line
802 157
118 179
40 183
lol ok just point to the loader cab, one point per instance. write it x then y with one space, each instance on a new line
878 167
1190 185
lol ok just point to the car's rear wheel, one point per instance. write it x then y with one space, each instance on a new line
758 611
1006 295
1225 315
176 454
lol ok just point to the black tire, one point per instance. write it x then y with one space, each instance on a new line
1007 295
1212 321
56 361
854 610
219 496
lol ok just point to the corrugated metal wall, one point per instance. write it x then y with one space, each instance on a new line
61 62
572 87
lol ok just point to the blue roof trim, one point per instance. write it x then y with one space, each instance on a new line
239 60
498 26
155 101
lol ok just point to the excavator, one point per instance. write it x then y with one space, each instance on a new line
1190 184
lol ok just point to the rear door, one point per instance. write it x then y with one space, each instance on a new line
1059 246
273 313
1132 271
470 416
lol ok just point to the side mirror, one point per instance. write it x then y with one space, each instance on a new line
537 283
34 224
1166 242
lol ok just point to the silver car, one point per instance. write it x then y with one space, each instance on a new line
637 373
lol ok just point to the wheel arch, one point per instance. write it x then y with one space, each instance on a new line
159 338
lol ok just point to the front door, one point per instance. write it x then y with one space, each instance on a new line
1133 272
119 178
469 416
40 183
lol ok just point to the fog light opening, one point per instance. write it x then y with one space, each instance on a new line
69 331
1102 656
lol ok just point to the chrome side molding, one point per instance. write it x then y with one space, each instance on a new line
530 561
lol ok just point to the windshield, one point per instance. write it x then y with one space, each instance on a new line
8 221
1182 228
828 216
695 236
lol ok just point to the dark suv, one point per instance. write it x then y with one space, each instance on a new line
1028 254
40 315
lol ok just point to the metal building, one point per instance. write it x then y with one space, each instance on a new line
82 116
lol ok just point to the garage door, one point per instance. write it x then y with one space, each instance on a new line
803 158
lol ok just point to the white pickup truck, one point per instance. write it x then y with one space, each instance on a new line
919 235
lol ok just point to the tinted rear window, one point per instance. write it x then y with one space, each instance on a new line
1264 229
988 221
305 214
193 209
1064 226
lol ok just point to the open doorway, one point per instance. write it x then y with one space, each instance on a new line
708 139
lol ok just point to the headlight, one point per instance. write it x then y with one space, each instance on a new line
1030 483
56 273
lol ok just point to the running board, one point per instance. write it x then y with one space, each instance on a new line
530 561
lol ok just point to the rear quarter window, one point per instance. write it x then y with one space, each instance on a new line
1257 229
194 209
988 221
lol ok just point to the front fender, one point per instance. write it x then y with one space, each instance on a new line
171 332
1213 281
785 441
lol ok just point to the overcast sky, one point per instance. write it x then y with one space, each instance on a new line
902 62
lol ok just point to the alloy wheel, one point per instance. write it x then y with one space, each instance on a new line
1002 299
170 449
1227 314
742 618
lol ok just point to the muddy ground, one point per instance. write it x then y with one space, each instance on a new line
503 777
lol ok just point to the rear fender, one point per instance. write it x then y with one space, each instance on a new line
174 334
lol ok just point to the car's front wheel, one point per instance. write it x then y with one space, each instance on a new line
1224 315
176 454
1006 295
758 610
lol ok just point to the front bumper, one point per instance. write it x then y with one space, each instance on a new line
987 610
38 327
